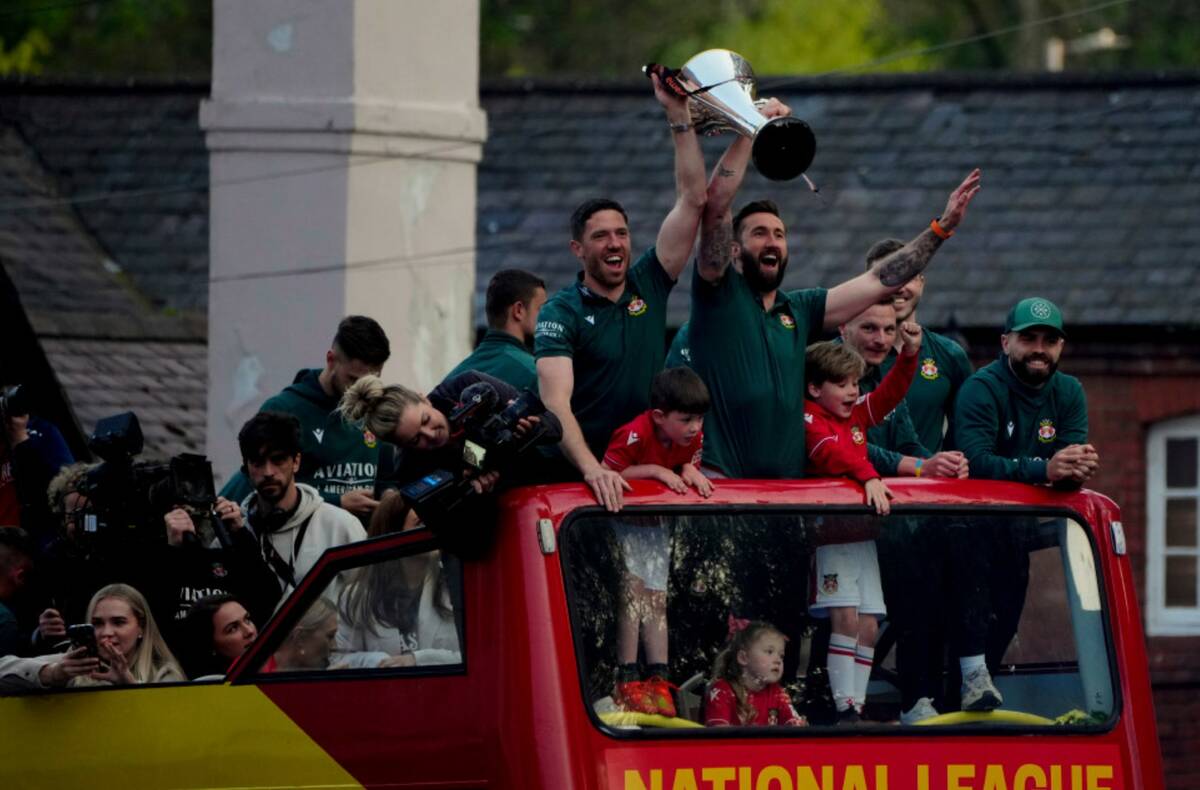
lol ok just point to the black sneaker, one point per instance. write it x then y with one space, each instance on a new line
848 717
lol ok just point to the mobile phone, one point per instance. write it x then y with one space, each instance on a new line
83 635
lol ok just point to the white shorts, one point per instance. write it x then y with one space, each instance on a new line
846 574
647 552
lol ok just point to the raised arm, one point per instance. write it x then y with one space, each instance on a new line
677 235
716 228
556 383
847 300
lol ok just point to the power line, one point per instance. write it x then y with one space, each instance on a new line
765 85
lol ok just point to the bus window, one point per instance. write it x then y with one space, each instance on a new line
1019 591
388 614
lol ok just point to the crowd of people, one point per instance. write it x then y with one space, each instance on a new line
745 391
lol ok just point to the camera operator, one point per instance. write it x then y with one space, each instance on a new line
32 451
425 440
187 570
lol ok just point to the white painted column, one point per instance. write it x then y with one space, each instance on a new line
343 139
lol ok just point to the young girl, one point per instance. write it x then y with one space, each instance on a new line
746 688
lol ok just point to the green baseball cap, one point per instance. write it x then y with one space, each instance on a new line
1034 311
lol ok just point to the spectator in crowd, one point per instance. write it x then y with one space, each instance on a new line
184 570
16 563
848 589
19 675
338 460
419 430
398 613
310 643
32 451
294 525
216 631
747 337
1016 419
132 650
663 443
600 341
943 366
77 562
514 298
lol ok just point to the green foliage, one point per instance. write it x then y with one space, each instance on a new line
112 38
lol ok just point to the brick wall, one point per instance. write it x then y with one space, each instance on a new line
1133 383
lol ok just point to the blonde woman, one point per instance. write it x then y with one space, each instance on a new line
309 644
132 650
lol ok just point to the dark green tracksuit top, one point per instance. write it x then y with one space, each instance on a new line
501 355
335 457
1008 430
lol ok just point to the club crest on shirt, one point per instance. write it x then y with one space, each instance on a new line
929 370
829 583
787 321
369 439
773 716
1046 432
637 306
218 570
856 434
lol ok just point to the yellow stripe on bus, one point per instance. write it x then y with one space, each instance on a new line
199 736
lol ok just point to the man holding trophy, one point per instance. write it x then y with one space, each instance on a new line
599 342
747 337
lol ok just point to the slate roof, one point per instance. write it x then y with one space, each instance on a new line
141 147
1091 186
109 348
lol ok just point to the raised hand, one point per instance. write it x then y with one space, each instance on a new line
960 198
911 334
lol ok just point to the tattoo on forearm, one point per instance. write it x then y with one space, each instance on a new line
716 244
725 172
908 261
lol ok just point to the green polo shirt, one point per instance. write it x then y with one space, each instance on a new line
942 368
1008 430
501 355
679 355
753 363
615 347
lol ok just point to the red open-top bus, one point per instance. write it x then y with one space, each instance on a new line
524 698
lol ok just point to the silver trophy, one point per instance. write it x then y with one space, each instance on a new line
721 96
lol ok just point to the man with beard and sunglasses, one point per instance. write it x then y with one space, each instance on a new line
1016 419
747 337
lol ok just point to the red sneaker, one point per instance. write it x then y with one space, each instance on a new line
660 692
635 696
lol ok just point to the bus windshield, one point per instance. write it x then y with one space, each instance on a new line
880 622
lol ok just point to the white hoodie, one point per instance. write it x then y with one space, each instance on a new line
328 526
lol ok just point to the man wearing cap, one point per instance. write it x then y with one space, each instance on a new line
1017 419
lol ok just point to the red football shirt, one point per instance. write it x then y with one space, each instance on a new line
636 443
771 706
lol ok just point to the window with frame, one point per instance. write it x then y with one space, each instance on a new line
1173 528
390 612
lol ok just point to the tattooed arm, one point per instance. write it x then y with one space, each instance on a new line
847 300
716 229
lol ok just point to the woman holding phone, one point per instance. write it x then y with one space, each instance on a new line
130 647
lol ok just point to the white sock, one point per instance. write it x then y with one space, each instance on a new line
863 658
968 664
841 670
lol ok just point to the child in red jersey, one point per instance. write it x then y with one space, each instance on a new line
663 444
846 575
746 690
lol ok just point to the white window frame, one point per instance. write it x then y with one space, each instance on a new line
1163 620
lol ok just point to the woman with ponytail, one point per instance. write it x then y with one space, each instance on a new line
745 690
419 426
